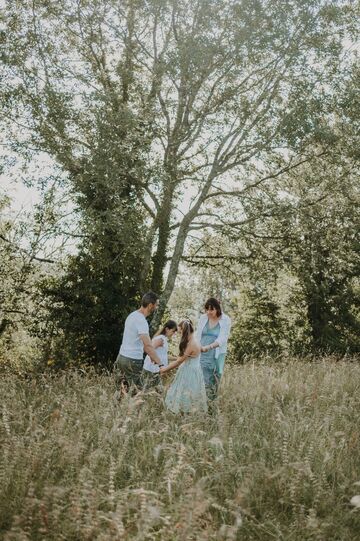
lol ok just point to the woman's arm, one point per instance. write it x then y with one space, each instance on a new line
223 335
210 346
191 350
225 324
200 326
174 364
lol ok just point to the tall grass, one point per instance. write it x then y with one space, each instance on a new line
280 459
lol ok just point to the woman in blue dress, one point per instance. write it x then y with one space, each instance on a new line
187 392
213 333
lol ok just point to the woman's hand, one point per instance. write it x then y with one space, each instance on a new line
209 347
174 364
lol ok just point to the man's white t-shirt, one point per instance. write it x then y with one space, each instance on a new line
162 352
132 346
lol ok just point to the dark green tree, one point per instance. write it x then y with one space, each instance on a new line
259 328
324 254
99 286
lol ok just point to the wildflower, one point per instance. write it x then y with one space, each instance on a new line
355 500
216 442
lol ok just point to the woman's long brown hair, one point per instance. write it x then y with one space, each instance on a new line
187 329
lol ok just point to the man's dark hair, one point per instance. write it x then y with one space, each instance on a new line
149 298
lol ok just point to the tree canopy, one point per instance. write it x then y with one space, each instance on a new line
162 114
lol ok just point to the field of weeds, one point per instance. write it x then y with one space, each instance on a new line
280 459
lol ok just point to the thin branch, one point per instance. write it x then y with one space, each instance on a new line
22 250
237 193
152 195
149 209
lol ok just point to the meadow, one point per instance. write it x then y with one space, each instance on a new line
279 459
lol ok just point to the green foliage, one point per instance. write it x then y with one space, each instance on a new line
323 251
89 299
95 290
88 304
292 262
18 271
259 327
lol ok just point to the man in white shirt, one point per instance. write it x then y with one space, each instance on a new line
136 340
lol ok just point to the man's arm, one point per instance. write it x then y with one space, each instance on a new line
149 348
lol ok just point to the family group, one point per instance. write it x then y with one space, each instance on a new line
199 364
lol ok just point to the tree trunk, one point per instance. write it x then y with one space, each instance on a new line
146 259
159 259
318 321
317 310
179 250
173 272
163 219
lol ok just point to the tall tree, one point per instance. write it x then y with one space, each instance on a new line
196 95
324 254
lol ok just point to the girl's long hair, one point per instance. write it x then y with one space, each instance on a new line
187 329
170 324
